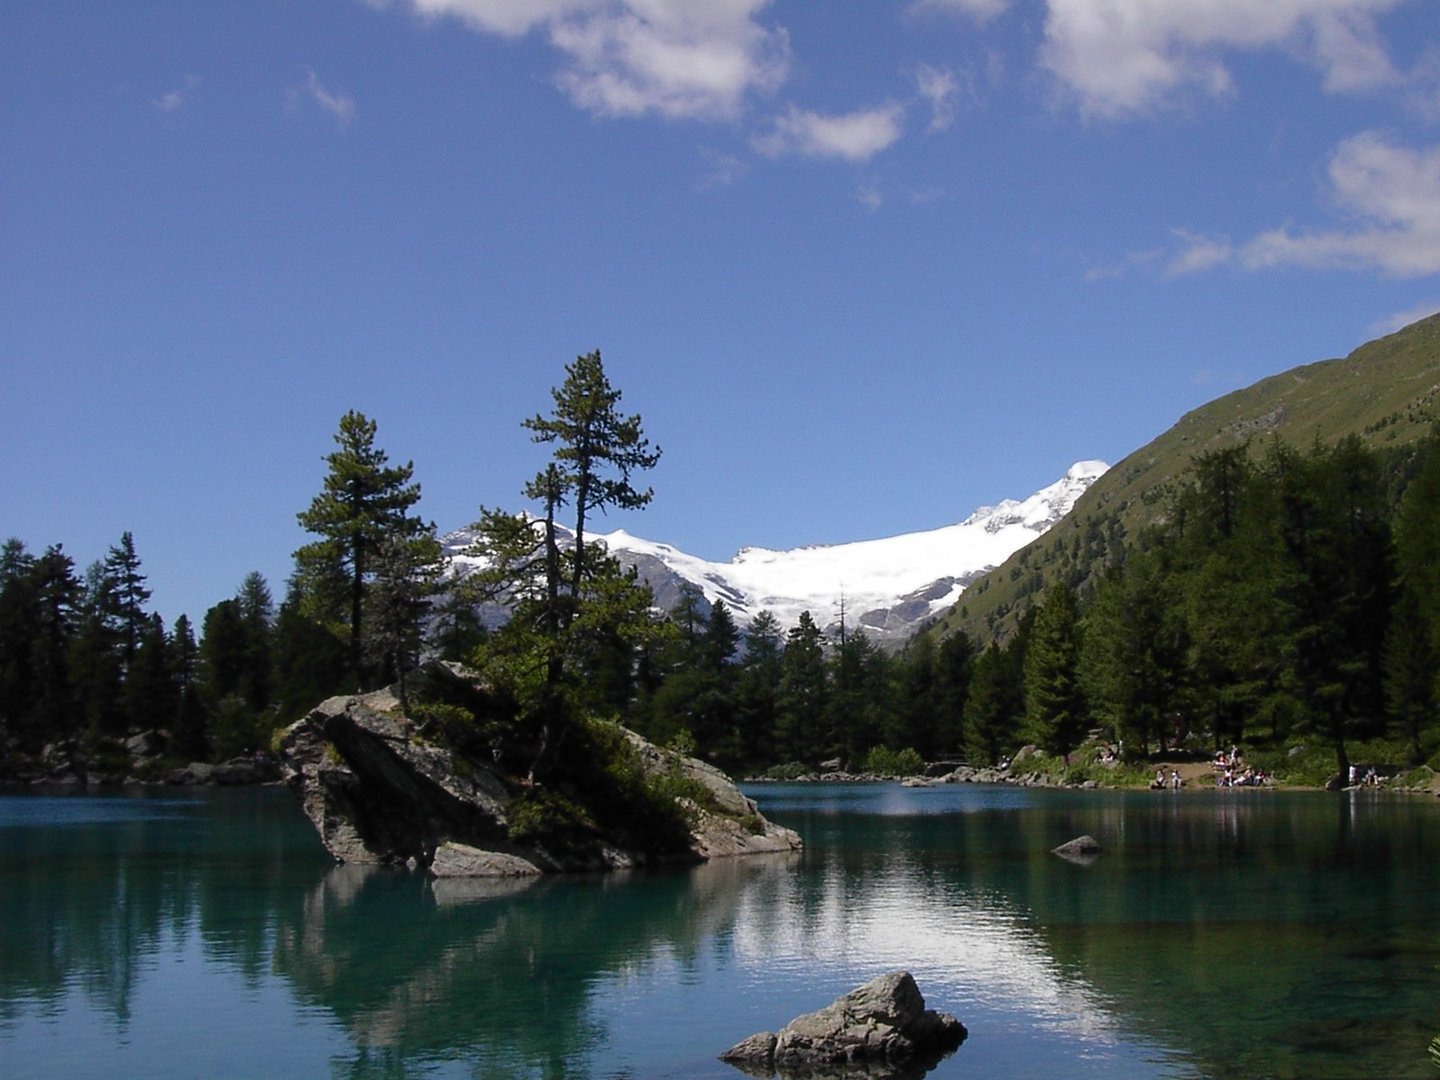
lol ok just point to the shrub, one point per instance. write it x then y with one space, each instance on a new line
882 761
543 817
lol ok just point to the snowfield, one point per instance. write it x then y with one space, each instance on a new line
887 586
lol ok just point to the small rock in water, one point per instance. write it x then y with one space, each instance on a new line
1082 848
885 1021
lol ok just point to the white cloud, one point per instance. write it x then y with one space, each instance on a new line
676 58
982 11
1126 57
856 136
1390 194
337 103
1401 319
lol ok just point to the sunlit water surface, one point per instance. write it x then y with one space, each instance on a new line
1226 934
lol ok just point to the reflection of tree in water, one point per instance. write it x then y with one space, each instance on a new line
92 903
500 973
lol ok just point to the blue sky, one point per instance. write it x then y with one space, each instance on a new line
861 267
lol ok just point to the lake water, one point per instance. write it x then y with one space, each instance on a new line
1226 934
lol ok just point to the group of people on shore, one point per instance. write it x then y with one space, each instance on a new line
1230 772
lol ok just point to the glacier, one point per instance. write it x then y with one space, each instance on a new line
887 587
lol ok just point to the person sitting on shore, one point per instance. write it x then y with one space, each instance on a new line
1158 784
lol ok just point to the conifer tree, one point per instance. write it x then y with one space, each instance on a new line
57 602
1054 709
364 502
126 596
803 692
575 612
188 735
995 705
758 689
596 451
19 627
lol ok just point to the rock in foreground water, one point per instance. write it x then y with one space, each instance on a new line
884 1022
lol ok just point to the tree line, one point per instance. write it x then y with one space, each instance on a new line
1285 594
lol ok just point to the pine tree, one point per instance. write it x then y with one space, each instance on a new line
97 660
188 735
19 627
364 503
995 705
597 450
256 610
803 693
758 690
406 572
1054 709
57 595
126 597
576 614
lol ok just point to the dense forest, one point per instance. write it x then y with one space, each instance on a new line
1287 596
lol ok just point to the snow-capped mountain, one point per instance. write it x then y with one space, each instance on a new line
886 586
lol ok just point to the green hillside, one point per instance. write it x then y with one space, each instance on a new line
1385 391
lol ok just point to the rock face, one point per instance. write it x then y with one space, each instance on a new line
883 1023
379 790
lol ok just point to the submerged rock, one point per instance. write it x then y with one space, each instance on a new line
381 788
883 1023
1081 849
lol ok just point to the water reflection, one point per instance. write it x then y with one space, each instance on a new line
503 973
1237 934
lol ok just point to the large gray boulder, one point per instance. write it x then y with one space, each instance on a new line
883 1023
381 788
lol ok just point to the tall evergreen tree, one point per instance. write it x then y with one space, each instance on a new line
126 597
575 612
364 502
406 572
188 735
995 706
19 628
758 691
256 610
803 692
1054 707
596 451
97 656
58 595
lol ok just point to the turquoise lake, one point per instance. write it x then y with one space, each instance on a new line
1224 934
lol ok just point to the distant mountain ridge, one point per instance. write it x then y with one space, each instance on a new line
1386 392
888 587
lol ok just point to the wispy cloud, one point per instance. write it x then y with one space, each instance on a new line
176 99
855 136
982 11
1120 58
337 103
940 88
680 59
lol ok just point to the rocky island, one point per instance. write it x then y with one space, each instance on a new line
433 789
